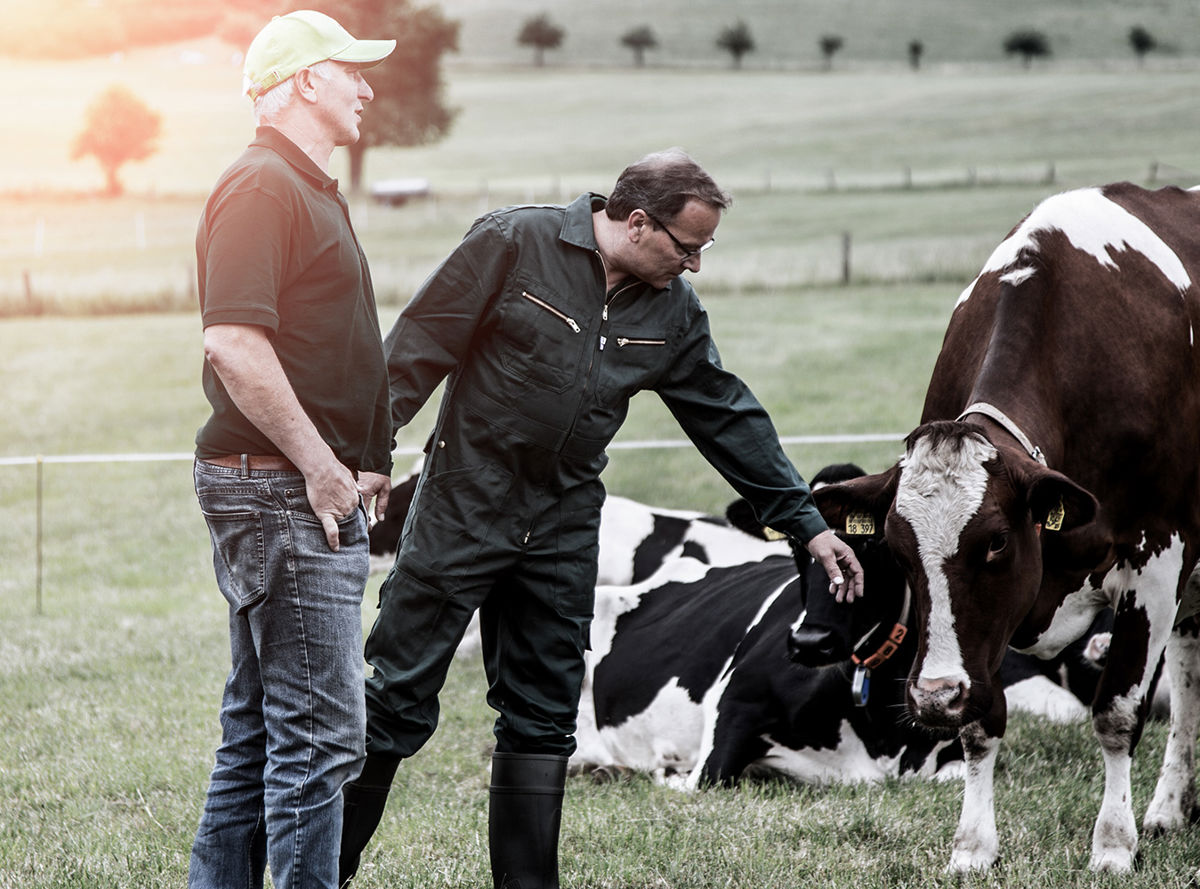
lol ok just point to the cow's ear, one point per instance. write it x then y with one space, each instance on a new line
858 506
1057 503
1073 541
740 515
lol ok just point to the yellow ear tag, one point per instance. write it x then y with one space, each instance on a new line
773 535
860 523
1054 518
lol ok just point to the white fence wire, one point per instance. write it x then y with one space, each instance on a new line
40 460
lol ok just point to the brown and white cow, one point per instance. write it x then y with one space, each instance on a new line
1055 473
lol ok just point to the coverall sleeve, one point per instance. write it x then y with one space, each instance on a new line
434 331
733 432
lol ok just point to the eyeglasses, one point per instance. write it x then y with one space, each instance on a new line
685 251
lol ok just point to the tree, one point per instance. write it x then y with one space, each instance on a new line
639 40
408 108
737 41
1028 44
542 34
1142 42
119 127
916 49
830 44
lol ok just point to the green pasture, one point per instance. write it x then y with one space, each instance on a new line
110 693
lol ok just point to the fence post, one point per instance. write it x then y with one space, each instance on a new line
845 257
40 462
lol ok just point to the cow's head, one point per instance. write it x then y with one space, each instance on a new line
990 541
833 632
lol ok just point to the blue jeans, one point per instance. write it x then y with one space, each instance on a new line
292 716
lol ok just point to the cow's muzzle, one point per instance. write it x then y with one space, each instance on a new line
939 702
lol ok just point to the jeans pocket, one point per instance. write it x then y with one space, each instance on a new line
238 556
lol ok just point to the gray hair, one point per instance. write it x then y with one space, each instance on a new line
272 103
661 184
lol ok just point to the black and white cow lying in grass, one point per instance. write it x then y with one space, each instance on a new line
693 677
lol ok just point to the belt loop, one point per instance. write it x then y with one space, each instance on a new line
245 465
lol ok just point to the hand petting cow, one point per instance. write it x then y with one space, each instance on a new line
1053 475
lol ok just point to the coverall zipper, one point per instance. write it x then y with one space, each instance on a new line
604 314
587 379
623 341
570 322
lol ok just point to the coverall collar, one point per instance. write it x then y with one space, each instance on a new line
577 221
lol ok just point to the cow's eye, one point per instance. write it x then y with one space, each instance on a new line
998 545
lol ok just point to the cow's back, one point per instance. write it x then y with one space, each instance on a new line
1086 316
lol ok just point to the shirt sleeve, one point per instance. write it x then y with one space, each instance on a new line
734 433
248 237
434 331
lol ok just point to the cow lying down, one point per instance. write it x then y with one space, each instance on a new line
691 678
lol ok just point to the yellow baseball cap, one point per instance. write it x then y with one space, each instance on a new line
300 39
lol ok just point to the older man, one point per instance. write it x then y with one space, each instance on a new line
545 321
298 444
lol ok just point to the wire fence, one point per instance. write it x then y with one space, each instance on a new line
39 462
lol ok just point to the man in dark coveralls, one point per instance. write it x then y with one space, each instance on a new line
545 321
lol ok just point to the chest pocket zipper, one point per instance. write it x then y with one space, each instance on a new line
570 322
623 341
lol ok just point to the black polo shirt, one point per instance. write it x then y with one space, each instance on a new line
275 248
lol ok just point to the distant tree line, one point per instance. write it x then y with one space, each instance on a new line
541 33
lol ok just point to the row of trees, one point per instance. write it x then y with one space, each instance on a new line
541 33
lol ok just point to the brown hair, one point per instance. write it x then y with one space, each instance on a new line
661 184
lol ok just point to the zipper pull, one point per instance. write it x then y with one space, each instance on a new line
604 314
603 340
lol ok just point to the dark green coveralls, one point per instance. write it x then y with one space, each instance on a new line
541 363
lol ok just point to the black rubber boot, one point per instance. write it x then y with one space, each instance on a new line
524 813
363 800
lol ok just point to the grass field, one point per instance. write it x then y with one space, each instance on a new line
109 695
109 716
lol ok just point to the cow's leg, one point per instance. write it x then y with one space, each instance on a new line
976 842
729 725
1115 839
1140 631
1175 794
